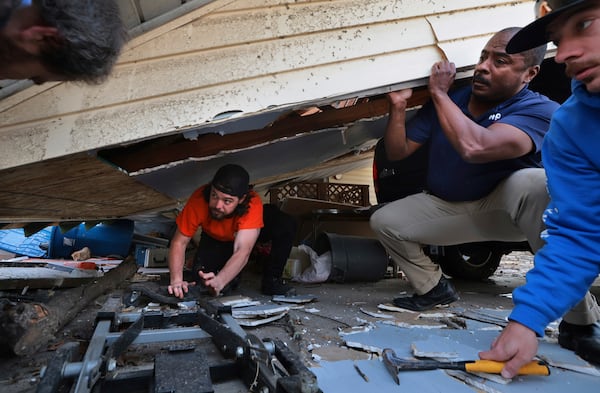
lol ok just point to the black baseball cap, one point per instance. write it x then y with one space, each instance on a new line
231 179
534 34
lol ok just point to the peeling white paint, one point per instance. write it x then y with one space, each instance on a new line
248 56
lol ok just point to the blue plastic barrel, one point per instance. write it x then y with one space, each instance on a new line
105 239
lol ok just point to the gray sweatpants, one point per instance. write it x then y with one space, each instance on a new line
511 212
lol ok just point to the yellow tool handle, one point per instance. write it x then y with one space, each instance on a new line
492 367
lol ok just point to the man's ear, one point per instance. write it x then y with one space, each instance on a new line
34 38
532 73
544 8
541 9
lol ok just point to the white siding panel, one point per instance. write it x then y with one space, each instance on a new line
456 26
248 56
143 119
259 61
223 29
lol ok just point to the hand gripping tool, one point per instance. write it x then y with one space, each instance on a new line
395 364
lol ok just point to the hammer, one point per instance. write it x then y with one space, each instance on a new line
395 364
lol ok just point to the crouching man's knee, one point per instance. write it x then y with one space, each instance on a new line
530 183
378 221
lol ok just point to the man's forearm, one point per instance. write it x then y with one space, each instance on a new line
462 132
396 145
176 262
395 135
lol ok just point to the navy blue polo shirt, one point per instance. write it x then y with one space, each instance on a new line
453 179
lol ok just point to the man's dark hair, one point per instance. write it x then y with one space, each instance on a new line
241 209
534 56
531 57
91 37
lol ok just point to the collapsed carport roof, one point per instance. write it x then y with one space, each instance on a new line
289 89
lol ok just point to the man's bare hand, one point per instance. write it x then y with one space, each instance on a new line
442 77
516 345
179 288
399 98
212 281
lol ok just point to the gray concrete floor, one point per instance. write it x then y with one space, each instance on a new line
313 329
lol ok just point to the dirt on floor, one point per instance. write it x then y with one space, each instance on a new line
311 330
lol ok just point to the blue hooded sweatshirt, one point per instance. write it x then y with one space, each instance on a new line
569 262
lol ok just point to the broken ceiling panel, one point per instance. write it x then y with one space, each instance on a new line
466 344
72 189
289 155
342 377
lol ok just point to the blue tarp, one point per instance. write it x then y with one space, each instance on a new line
112 238
15 241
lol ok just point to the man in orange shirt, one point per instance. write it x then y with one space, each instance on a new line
230 214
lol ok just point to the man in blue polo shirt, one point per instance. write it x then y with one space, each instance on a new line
485 180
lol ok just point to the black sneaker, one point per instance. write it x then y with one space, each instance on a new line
276 286
583 339
442 293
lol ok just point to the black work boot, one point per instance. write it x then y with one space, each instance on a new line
583 339
276 286
442 293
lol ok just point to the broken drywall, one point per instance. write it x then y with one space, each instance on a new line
465 344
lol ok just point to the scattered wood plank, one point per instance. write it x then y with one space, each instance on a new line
27 327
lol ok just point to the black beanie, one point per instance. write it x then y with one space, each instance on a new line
231 179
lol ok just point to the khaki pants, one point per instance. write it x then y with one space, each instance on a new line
511 212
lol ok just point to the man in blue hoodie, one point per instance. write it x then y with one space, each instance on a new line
569 262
